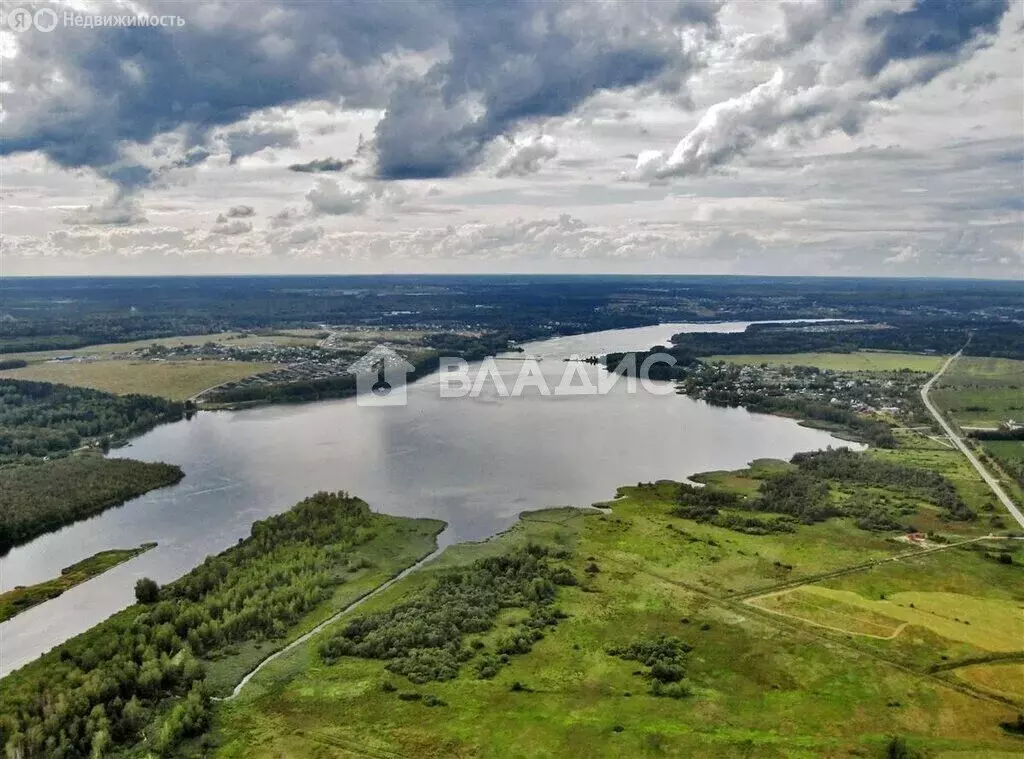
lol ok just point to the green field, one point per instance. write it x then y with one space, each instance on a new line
1009 455
1006 678
230 339
759 683
982 392
175 380
22 598
860 361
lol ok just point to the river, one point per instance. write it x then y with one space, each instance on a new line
473 462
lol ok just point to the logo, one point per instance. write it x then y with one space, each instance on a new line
381 377
45 19
21 20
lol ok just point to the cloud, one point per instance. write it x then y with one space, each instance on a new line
318 165
251 140
240 212
281 241
328 197
526 156
119 212
286 217
451 77
225 226
515 62
907 254
553 244
877 54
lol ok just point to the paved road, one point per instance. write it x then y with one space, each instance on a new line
962 446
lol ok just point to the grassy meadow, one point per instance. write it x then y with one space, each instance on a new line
859 361
230 339
761 682
174 380
982 392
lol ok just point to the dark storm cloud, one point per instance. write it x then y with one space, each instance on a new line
77 94
515 61
940 28
82 95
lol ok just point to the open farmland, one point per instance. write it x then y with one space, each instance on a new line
858 361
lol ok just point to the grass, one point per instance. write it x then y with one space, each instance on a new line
231 339
175 380
985 623
763 685
859 361
399 543
956 468
982 392
22 598
809 603
1006 679
1009 454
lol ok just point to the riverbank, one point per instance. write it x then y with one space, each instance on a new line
200 634
798 679
40 496
23 598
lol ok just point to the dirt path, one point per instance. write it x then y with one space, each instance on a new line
753 602
329 621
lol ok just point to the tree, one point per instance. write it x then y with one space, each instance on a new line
147 591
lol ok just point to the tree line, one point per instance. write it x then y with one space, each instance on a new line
804 495
39 496
42 419
140 676
915 334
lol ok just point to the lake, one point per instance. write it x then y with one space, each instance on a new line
473 462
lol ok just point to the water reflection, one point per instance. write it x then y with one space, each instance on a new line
474 462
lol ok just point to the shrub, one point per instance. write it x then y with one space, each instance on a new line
147 591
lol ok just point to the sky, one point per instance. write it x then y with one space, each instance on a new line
826 137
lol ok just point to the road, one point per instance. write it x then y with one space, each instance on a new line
962 446
330 621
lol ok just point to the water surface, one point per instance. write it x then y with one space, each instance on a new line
473 462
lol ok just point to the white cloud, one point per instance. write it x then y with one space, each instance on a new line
119 211
328 197
525 156
225 226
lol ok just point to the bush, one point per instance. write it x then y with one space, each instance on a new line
147 591
423 637
664 656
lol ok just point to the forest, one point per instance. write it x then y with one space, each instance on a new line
804 495
37 497
987 337
109 688
45 481
70 312
40 419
